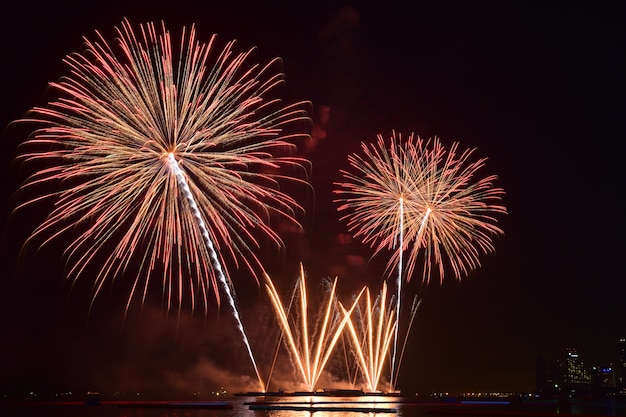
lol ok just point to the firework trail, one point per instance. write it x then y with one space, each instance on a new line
138 126
414 307
216 262
371 333
427 197
310 352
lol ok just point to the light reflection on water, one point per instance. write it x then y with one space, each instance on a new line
243 407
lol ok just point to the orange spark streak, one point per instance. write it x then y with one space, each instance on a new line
300 341
372 340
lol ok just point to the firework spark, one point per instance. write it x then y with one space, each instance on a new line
371 330
448 217
143 145
426 198
125 112
309 350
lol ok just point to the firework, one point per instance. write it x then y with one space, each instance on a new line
371 330
417 196
124 114
447 216
309 350
164 157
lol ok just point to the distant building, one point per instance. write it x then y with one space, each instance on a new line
621 366
603 381
576 379
569 377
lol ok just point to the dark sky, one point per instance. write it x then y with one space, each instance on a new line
538 89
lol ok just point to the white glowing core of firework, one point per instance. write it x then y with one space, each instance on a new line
182 181
419 232
395 367
399 290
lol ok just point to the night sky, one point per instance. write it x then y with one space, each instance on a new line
538 89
